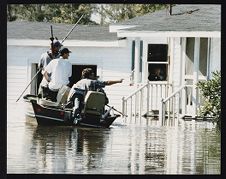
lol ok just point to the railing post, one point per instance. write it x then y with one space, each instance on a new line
140 102
131 107
123 105
148 96
183 101
161 112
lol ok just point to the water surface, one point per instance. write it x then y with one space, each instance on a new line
130 146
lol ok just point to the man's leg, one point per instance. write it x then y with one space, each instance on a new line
40 91
52 95
77 108
45 92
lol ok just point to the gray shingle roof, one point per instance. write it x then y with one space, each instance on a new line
41 30
184 18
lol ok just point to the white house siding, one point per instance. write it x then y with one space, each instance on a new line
18 69
215 55
113 63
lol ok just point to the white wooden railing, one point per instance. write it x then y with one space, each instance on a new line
146 98
158 96
179 104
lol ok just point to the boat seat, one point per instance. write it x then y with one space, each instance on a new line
61 98
94 103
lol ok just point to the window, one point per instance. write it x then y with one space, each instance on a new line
190 48
157 62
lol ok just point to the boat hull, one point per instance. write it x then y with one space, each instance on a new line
46 115
29 112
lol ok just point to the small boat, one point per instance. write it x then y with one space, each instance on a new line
93 114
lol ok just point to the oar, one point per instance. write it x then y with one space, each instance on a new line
29 83
116 110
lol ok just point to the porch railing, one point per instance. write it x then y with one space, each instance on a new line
146 98
179 104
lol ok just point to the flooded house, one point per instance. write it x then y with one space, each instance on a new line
161 56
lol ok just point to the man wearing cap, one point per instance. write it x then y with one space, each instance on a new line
44 61
60 70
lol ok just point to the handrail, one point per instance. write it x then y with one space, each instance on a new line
163 101
140 88
174 93
143 86
145 89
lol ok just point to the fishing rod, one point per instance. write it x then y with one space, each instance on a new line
51 38
29 84
72 29
116 110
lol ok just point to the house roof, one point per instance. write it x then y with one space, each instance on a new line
41 30
197 17
184 18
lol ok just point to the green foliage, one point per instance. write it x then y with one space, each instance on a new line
211 91
57 13
70 13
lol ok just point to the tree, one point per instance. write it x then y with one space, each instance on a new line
70 13
211 91
110 13
57 13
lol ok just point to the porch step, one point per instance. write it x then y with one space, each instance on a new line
187 117
152 113
155 113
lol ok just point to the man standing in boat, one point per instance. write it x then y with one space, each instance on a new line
79 90
45 59
60 70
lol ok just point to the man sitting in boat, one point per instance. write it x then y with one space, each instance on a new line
61 70
79 90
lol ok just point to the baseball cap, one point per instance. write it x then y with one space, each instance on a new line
64 50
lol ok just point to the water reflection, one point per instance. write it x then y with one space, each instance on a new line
131 146
64 149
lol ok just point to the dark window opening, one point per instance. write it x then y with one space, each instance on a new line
77 72
157 52
133 55
141 55
157 72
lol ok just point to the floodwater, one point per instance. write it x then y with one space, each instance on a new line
130 146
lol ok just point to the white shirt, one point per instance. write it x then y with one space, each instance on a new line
86 84
61 70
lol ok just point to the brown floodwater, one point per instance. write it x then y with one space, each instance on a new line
130 146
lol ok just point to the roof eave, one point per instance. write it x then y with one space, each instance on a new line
216 34
69 43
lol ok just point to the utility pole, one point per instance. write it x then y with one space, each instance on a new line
101 15
170 9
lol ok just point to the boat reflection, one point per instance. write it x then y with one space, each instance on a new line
60 148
